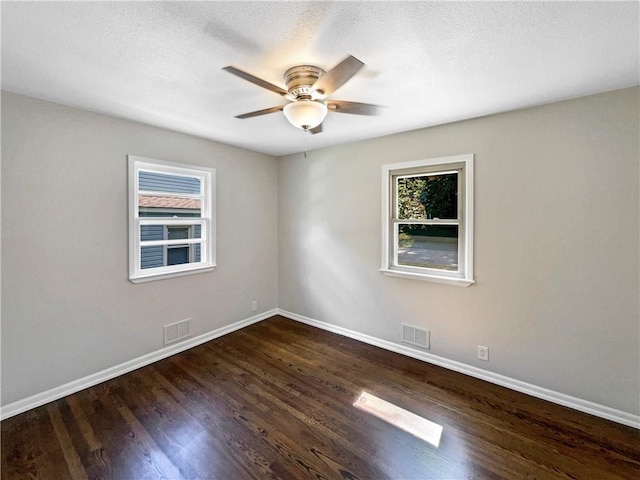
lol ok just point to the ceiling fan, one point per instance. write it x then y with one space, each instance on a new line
307 89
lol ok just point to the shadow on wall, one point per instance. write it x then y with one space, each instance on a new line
339 282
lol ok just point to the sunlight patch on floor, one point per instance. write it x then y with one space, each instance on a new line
401 418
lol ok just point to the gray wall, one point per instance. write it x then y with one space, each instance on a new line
68 309
557 236
556 252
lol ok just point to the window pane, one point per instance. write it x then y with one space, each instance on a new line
425 197
165 206
177 233
151 232
428 246
177 255
162 182
164 255
151 257
169 232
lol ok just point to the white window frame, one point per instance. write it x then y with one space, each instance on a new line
389 263
207 220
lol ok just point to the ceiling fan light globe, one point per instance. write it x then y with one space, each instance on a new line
305 114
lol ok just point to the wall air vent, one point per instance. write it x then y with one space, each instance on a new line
418 337
177 331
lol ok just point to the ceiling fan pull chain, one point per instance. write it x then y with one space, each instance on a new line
306 136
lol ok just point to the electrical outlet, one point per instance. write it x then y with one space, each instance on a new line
254 305
483 353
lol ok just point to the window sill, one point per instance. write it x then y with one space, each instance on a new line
459 282
163 276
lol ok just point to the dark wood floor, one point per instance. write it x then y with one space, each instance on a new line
275 400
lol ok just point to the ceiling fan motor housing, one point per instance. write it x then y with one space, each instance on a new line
300 80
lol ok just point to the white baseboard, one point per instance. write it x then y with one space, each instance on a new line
598 410
55 393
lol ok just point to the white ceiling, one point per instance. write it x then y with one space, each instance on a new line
428 62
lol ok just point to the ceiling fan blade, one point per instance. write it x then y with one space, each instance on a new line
315 130
279 108
255 80
353 108
338 75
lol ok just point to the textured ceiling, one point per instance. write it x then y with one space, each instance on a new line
428 63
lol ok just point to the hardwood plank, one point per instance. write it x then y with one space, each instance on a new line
275 400
32 447
19 451
97 463
71 457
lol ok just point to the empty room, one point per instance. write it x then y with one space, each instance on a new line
320 240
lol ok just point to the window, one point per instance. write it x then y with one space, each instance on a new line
171 219
428 220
